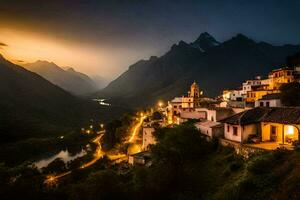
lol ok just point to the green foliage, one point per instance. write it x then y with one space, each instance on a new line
56 166
290 94
116 131
185 166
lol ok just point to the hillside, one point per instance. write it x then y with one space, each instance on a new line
212 64
33 107
75 82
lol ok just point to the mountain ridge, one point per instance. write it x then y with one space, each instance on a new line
69 79
142 84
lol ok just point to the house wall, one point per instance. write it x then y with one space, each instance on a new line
205 130
266 131
253 96
212 115
228 132
193 115
272 103
251 129
217 131
148 137
242 133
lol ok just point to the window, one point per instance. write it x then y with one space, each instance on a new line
261 104
175 106
228 128
212 118
235 130
267 104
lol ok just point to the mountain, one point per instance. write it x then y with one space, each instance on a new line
99 81
205 41
75 82
33 107
214 65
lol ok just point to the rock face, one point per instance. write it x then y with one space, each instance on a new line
70 80
212 64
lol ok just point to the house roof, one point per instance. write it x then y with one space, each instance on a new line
177 100
284 115
143 154
208 123
271 96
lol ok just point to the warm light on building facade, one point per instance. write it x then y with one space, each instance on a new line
290 130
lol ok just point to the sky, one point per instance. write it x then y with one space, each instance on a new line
105 37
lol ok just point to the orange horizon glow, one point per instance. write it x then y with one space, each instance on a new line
28 47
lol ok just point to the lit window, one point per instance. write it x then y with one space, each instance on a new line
290 130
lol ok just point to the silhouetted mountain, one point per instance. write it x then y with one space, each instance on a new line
205 41
215 66
69 79
33 107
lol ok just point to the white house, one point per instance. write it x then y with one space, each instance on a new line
265 124
210 128
148 137
141 158
215 113
269 100
233 95
247 86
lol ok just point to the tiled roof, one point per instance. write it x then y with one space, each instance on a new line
271 96
284 115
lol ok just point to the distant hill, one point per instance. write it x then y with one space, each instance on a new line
214 65
75 82
31 106
100 81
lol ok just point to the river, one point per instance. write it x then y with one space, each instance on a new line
65 155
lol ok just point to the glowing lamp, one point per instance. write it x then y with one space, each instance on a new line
290 130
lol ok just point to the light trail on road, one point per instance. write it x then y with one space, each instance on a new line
100 153
97 155
136 128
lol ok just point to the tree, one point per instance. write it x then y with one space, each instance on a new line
290 94
157 116
293 60
56 166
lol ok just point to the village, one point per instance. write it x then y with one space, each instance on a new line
250 118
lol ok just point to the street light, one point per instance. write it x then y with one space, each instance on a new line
160 104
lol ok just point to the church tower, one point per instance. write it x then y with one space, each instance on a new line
195 91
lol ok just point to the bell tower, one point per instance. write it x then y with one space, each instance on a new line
195 91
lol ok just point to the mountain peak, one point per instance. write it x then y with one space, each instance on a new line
205 41
241 37
70 69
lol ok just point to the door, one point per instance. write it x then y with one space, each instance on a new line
273 134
